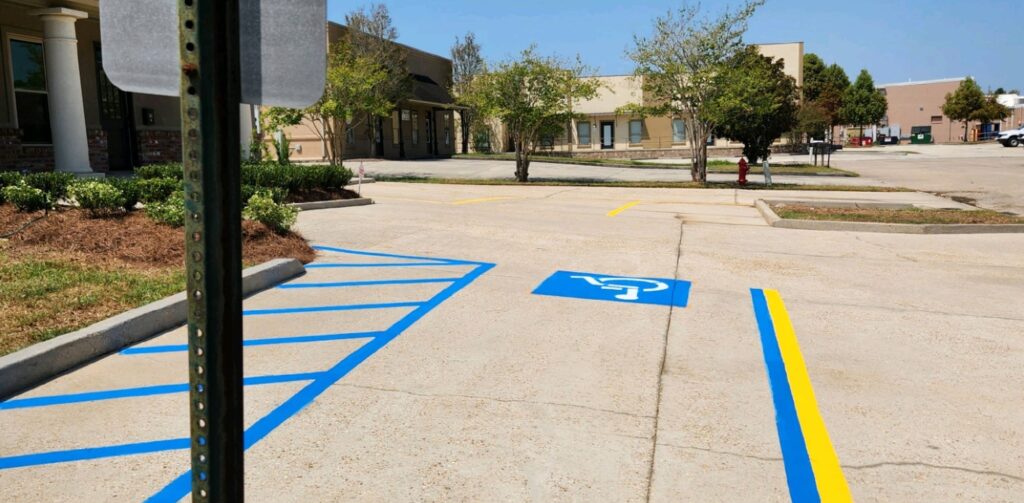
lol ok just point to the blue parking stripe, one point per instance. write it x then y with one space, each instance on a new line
328 265
799 474
343 284
327 309
164 389
389 255
46 458
269 341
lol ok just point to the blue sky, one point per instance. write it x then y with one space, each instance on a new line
896 40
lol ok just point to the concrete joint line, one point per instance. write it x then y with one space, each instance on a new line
919 464
36 364
661 369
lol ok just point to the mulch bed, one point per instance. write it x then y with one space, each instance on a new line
133 239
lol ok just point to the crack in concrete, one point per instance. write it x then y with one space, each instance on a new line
661 367
722 453
920 464
501 400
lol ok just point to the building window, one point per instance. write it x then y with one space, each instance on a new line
415 128
350 134
678 131
30 99
936 119
547 141
583 133
636 131
396 129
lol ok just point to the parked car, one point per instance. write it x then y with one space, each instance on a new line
1012 138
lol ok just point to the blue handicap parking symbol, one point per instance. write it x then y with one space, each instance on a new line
583 285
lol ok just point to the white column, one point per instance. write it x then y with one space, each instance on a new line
64 88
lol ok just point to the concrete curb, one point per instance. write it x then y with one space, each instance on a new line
774 220
36 364
337 203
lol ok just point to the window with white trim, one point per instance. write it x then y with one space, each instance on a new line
30 97
678 131
636 131
583 133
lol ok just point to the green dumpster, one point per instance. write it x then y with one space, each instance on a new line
920 135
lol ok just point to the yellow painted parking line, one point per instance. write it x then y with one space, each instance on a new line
481 200
622 208
828 475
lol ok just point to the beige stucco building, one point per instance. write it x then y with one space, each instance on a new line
610 134
420 127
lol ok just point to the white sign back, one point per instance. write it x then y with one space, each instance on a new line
283 45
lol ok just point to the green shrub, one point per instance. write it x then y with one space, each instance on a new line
25 197
277 194
321 176
169 212
55 184
155 190
131 193
8 178
262 208
173 171
269 174
98 198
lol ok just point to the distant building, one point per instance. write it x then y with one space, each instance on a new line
420 127
1015 103
609 134
919 105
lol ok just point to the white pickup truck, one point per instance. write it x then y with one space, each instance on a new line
1012 138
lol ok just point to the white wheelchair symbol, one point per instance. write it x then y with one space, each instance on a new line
630 291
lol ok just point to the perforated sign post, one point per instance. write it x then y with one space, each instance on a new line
215 55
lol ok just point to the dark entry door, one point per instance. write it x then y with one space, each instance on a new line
607 135
431 138
115 119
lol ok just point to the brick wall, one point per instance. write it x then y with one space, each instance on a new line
15 156
99 157
157 147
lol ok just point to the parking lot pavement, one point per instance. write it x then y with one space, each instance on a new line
676 350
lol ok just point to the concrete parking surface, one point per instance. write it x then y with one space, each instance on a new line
426 369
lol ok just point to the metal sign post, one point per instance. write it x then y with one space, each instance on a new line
210 97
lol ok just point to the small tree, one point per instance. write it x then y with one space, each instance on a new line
679 65
963 103
862 103
467 65
372 38
531 96
991 111
756 103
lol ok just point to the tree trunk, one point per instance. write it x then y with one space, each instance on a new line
703 171
965 131
522 162
465 130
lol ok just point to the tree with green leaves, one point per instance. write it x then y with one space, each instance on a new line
756 103
991 111
679 65
467 65
532 97
963 103
863 104
814 69
371 36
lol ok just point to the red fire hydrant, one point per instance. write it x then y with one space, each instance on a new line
744 169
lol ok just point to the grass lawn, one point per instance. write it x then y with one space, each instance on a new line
900 216
714 165
41 298
584 182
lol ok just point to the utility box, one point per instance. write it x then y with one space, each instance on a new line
920 135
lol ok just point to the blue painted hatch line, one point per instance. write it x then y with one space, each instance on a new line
345 284
318 382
